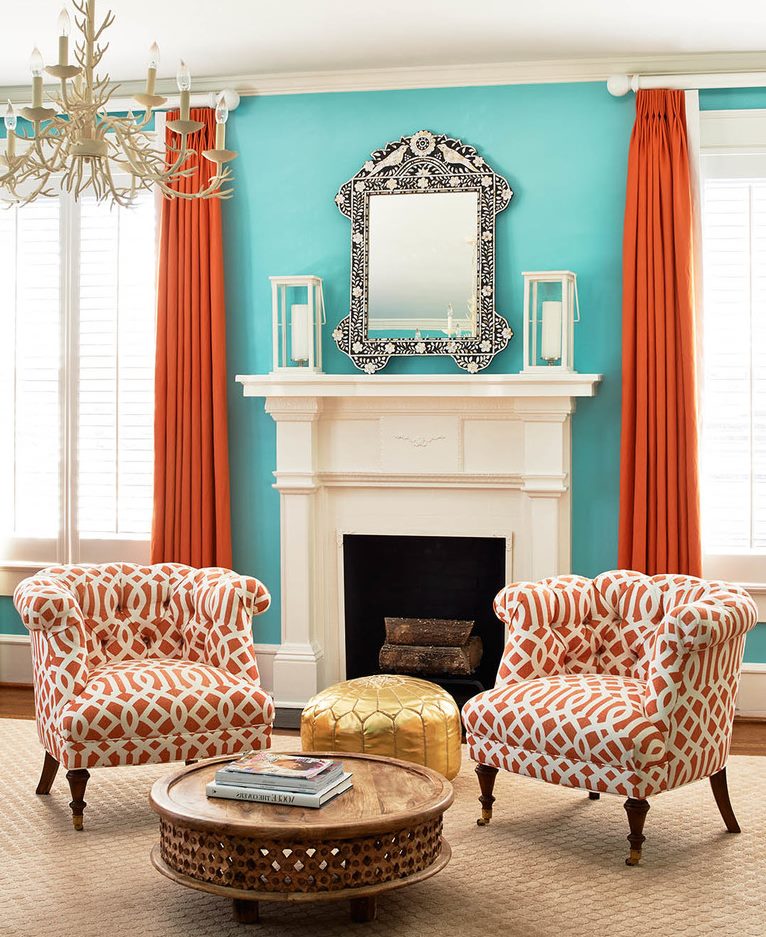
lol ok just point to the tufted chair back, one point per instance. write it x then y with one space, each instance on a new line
133 612
606 625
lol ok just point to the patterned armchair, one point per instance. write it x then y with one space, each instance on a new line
624 684
137 664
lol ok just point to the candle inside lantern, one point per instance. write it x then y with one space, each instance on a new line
299 332
551 331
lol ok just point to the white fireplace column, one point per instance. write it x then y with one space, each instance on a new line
296 663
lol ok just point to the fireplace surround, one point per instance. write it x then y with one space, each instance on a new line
444 456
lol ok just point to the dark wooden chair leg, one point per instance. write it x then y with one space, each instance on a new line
594 795
245 911
486 775
78 780
721 794
50 767
364 909
636 811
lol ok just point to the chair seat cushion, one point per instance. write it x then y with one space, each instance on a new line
141 699
594 718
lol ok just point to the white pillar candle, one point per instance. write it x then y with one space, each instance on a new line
299 330
551 331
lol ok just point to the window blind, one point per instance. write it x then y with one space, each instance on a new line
77 339
116 368
733 438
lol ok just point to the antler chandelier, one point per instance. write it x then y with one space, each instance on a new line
77 144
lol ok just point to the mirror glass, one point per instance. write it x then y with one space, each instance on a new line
422 265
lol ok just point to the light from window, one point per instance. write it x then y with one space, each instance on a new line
733 441
116 387
77 339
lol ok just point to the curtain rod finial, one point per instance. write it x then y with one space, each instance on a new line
620 85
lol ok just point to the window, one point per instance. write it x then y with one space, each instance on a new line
733 430
77 336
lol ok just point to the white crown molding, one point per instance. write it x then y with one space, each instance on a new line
546 71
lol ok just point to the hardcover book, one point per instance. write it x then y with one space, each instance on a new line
279 798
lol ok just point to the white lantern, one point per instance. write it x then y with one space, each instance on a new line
551 308
298 313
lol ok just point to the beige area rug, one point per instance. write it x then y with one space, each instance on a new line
551 863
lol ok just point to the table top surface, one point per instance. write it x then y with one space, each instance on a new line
386 795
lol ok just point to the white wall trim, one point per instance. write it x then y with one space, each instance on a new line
751 700
15 659
545 71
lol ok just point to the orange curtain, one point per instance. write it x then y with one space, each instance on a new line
192 519
659 486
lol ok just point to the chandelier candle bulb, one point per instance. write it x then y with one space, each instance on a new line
221 116
10 131
36 65
153 65
183 79
64 26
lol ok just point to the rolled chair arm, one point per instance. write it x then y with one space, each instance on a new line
46 605
532 650
226 602
59 647
713 619
688 630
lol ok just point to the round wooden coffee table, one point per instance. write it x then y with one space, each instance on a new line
384 833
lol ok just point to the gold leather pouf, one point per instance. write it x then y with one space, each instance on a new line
386 714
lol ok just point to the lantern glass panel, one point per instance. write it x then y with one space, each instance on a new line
296 317
548 321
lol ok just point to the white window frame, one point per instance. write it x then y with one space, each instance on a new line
68 547
727 139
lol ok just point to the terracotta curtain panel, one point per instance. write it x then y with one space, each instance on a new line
659 484
192 518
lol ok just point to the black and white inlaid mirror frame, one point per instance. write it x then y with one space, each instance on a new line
419 165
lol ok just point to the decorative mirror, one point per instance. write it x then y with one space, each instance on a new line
422 213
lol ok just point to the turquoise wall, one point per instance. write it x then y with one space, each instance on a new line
563 148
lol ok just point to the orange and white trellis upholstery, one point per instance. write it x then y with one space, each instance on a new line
136 664
623 684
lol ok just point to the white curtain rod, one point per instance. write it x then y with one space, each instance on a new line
620 85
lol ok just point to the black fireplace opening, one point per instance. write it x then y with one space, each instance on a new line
422 577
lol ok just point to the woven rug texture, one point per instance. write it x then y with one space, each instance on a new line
551 864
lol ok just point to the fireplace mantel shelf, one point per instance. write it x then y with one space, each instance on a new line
530 384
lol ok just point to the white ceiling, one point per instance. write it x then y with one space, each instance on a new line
249 37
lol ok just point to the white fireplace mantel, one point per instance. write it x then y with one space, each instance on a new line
299 383
420 455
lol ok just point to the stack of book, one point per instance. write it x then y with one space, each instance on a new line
287 780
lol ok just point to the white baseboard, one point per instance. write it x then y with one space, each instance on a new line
16 667
752 691
15 659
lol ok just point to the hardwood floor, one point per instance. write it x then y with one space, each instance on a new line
16 702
